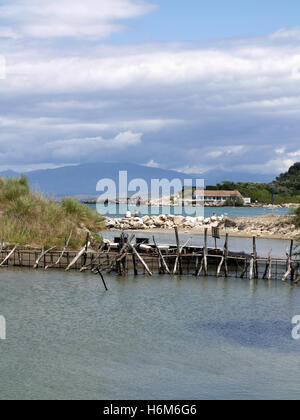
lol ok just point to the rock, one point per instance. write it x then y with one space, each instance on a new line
178 220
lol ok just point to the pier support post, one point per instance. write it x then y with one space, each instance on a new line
178 250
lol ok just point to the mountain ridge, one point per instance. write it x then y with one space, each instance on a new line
81 180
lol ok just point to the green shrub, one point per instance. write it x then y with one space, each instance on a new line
234 202
22 206
15 188
30 219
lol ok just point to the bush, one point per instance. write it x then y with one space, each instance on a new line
234 202
30 219
15 188
22 207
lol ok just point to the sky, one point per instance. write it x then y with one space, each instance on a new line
186 85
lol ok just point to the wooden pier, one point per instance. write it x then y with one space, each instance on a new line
139 256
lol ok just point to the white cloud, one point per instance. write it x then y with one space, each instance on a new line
239 94
295 154
92 147
286 34
68 18
152 164
273 166
280 150
226 151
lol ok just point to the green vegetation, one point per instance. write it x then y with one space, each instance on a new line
286 188
30 219
234 202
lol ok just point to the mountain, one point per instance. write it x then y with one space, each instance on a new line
81 180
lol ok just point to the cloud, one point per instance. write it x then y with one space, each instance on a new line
286 34
232 104
273 166
68 18
152 164
226 150
91 147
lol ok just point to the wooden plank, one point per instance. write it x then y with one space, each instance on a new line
62 253
76 258
288 263
141 260
179 255
43 254
9 255
166 267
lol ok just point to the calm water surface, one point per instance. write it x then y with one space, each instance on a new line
155 338
119 211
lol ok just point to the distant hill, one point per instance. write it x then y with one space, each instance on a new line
289 182
81 180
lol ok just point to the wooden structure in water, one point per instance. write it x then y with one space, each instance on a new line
127 254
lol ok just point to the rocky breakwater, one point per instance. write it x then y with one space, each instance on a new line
164 222
275 227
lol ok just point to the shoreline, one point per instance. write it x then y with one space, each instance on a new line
264 227
200 232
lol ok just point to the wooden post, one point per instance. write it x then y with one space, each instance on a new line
102 278
289 263
267 270
224 259
255 263
63 251
141 260
291 257
43 254
161 257
178 250
251 268
179 255
205 252
245 268
9 255
134 265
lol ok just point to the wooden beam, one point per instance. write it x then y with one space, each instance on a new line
9 255
179 255
161 257
62 253
76 258
141 259
42 255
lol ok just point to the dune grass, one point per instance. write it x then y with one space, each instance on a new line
29 219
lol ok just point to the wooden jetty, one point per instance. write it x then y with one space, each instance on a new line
129 254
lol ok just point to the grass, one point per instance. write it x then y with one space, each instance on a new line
29 219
